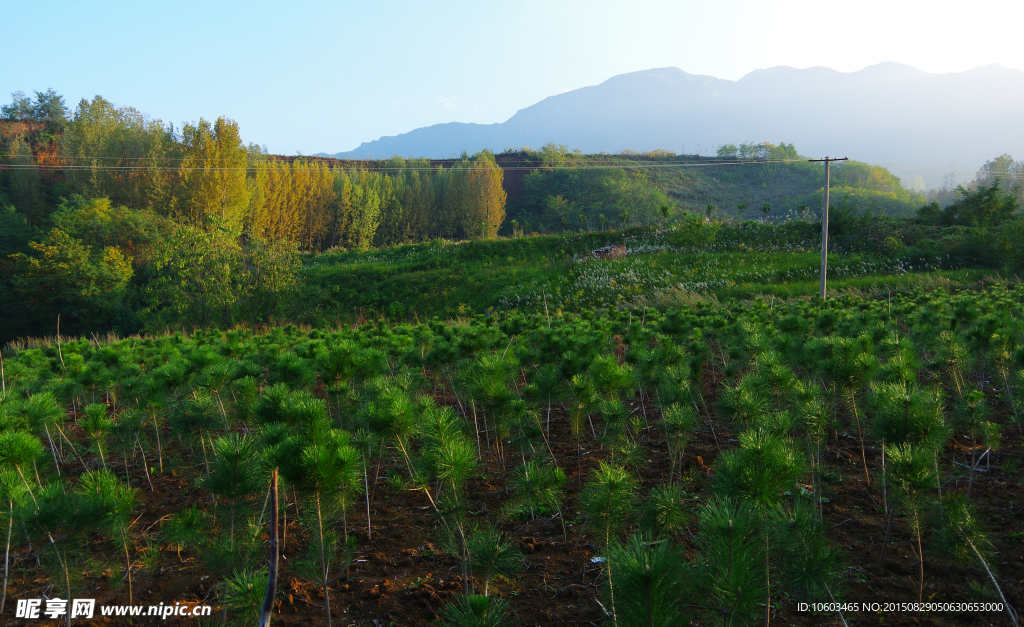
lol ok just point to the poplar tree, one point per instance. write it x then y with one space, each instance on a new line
212 172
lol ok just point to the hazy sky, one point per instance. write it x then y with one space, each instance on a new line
306 77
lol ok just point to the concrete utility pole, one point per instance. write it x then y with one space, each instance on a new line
824 225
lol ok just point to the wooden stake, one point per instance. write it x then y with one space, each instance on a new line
268 600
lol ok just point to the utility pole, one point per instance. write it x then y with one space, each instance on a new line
824 225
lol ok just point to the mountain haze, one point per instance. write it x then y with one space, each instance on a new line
893 114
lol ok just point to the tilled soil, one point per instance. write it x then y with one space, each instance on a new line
399 576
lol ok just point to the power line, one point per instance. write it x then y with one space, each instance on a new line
599 166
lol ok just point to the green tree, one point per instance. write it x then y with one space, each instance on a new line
64 277
985 206
196 276
19 109
108 144
649 579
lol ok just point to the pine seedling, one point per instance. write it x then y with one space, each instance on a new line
243 592
293 370
910 468
616 427
235 477
451 459
534 486
325 471
585 399
12 493
476 610
1018 400
776 377
668 510
675 386
954 359
42 411
745 403
97 426
760 469
117 500
608 501
124 433
850 367
960 538
650 580
813 422
173 376
336 365
193 418
188 529
810 565
677 423
247 396
271 407
906 414
215 377
902 366
729 583
548 386
152 401
527 432
60 521
971 415
19 450
489 382
1001 356
390 414
492 556
610 378
780 423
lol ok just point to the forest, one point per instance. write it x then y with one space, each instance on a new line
405 392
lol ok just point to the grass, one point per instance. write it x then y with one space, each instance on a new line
446 279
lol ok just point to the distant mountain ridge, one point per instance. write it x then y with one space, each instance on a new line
887 113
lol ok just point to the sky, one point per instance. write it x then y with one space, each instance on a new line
319 76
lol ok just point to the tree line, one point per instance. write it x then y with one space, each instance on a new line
204 170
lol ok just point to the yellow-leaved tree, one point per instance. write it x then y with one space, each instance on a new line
212 173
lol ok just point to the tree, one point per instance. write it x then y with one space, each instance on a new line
489 196
324 470
650 581
19 109
65 277
196 276
213 172
203 277
911 470
49 107
984 206
25 184
111 142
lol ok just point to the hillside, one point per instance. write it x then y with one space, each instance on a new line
887 113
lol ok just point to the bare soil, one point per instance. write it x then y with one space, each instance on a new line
400 577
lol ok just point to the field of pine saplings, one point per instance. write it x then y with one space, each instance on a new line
713 465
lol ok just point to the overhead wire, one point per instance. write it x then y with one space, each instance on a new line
382 168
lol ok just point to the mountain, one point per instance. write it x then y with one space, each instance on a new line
914 122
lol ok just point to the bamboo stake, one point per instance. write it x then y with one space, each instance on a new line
366 490
268 599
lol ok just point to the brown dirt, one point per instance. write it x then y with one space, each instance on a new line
399 578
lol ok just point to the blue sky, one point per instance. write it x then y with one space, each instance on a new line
306 77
